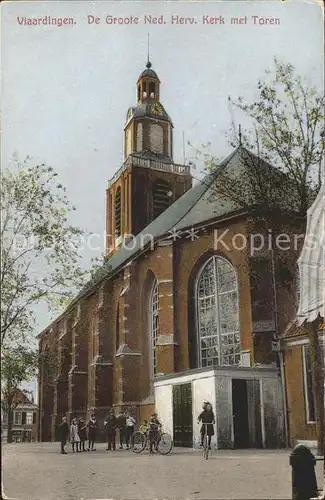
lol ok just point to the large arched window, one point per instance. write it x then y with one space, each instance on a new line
218 314
154 324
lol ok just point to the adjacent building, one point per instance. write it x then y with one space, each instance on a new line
304 348
25 415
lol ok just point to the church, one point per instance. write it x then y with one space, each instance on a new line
174 317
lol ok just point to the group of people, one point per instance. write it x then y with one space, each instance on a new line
79 432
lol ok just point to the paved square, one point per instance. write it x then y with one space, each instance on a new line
39 472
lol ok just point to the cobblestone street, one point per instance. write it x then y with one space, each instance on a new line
38 471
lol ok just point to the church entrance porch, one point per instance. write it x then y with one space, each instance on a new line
247 403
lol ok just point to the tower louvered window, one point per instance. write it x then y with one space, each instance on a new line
118 213
161 197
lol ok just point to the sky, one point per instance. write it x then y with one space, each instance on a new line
66 90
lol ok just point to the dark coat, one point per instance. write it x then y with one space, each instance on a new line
207 417
63 431
92 428
110 425
82 431
121 421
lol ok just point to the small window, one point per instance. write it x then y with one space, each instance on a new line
34 417
152 89
23 419
139 92
308 384
17 417
5 418
29 418
118 213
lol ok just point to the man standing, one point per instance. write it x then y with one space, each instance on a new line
92 432
63 434
121 423
130 423
110 429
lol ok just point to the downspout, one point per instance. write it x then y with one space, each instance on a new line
280 352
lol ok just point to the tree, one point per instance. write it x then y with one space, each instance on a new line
40 258
40 263
18 364
286 131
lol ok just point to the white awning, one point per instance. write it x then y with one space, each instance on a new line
312 263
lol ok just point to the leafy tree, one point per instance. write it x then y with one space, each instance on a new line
40 258
40 263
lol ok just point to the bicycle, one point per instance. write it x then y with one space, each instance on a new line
163 442
206 447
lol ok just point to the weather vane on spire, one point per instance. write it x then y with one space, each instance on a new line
239 135
148 61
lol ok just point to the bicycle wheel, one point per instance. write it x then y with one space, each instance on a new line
164 444
138 442
205 447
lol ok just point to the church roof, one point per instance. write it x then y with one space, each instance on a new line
197 206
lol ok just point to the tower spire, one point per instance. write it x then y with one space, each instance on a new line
148 58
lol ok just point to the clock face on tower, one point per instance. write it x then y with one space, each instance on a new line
156 109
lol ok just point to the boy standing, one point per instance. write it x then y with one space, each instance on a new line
121 423
92 432
63 434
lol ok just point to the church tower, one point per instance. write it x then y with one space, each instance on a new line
148 181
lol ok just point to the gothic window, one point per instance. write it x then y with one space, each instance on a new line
308 384
156 138
118 213
139 137
154 324
218 314
139 92
161 197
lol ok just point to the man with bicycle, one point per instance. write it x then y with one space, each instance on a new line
154 427
208 421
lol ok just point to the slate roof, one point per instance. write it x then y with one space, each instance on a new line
193 208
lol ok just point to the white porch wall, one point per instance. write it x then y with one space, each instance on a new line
203 387
164 406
